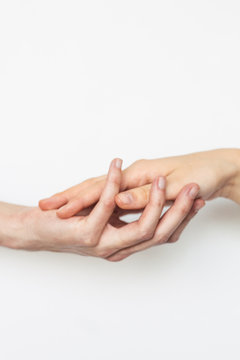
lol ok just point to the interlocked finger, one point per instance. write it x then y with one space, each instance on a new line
144 228
101 213
168 224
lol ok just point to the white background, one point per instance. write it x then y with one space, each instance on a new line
80 83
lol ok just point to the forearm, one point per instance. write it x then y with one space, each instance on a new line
11 227
232 190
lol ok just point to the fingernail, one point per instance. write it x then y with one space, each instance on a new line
161 183
118 163
125 198
193 191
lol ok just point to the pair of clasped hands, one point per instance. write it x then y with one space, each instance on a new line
86 219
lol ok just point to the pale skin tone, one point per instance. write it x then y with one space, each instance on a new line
97 230
217 172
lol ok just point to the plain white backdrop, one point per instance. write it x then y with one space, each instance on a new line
82 82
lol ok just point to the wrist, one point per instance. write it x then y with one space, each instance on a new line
231 189
14 227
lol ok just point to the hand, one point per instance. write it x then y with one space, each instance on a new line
99 232
171 224
216 172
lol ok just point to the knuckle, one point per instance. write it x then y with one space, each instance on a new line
139 162
143 193
156 202
114 179
108 203
183 209
103 253
145 233
77 201
161 239
90 180
61 195
90 241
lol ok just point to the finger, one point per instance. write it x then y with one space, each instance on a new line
144 228
150 217
136 198
77 191
197 205
54 202
101 213
81 202
176 214
169 222
71 208
122 212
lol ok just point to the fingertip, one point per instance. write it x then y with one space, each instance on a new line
114 173
63 214
158 187
115 163
124 200
134 199
41 204
118 163
157 191
53 202
190 190
161 182
46 204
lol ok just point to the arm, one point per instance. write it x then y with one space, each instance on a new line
11 229
217 172
233 191
99 231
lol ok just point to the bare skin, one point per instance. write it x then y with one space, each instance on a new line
97 230
217 172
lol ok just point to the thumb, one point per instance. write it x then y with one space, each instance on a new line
137 198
